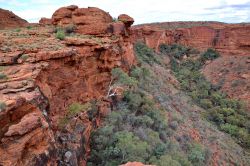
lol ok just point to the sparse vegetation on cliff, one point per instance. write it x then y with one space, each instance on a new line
74 111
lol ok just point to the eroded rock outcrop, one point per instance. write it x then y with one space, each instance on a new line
89 20
45 21
41 76
10 20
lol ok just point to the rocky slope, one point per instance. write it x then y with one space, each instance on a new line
10 20
42 75
230 40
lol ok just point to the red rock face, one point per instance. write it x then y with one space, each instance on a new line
10 20
126 19
226 38
43 76
45 21
87 20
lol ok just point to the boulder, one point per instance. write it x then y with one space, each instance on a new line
126 19
45 21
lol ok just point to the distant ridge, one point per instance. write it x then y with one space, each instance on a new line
9 20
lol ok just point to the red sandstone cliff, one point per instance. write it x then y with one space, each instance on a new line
230 39
10 20
41 76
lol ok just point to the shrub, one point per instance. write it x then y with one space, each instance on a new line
3 76
29 27
131 147
167 160
175 50
24 57
123 78
76 108
210 54
146 54
2 106
230 129
196 154
60 35
18 30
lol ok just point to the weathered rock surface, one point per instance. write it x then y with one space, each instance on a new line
228 39
41 76
10 20
126 19
89 20
45 21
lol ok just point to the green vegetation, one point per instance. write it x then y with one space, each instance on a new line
138 129
2 106
210 54
29 27
18 30
196 154
145 54
60 34
176 51
2 68
24 57
3 76
228 114
74 110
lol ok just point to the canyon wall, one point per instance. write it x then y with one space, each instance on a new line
41 76
228 39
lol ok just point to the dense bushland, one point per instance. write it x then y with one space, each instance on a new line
228 114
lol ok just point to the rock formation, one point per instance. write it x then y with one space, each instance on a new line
10 20
90 20
228 39
45 21
41 76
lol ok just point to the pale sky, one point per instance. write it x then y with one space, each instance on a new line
143 11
